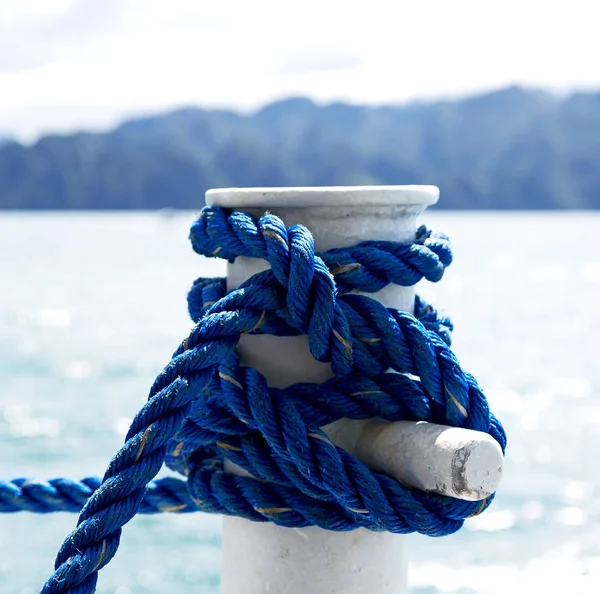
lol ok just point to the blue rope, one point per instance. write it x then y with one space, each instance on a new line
391 396
165 495
205 408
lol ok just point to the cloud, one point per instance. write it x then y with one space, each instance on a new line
41 32
319 59
119 56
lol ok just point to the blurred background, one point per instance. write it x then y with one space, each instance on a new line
140 106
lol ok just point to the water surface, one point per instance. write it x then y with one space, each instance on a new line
93 305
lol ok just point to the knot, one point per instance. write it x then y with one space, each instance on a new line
205 407
311 283
367 267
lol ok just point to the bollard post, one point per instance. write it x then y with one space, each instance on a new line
265 558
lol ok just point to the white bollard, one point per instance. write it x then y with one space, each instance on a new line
264 558
457 462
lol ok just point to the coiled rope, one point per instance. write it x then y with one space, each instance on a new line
204 407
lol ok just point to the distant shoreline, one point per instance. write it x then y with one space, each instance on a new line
512 149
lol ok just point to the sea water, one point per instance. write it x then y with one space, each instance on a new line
93 305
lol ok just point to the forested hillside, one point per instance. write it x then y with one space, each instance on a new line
511 149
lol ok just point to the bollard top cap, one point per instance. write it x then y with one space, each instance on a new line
302 197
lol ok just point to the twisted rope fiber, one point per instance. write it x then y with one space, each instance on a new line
204 407
391 396
165 495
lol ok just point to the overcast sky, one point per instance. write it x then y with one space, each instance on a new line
68 64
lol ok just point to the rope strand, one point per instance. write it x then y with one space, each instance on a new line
205 408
